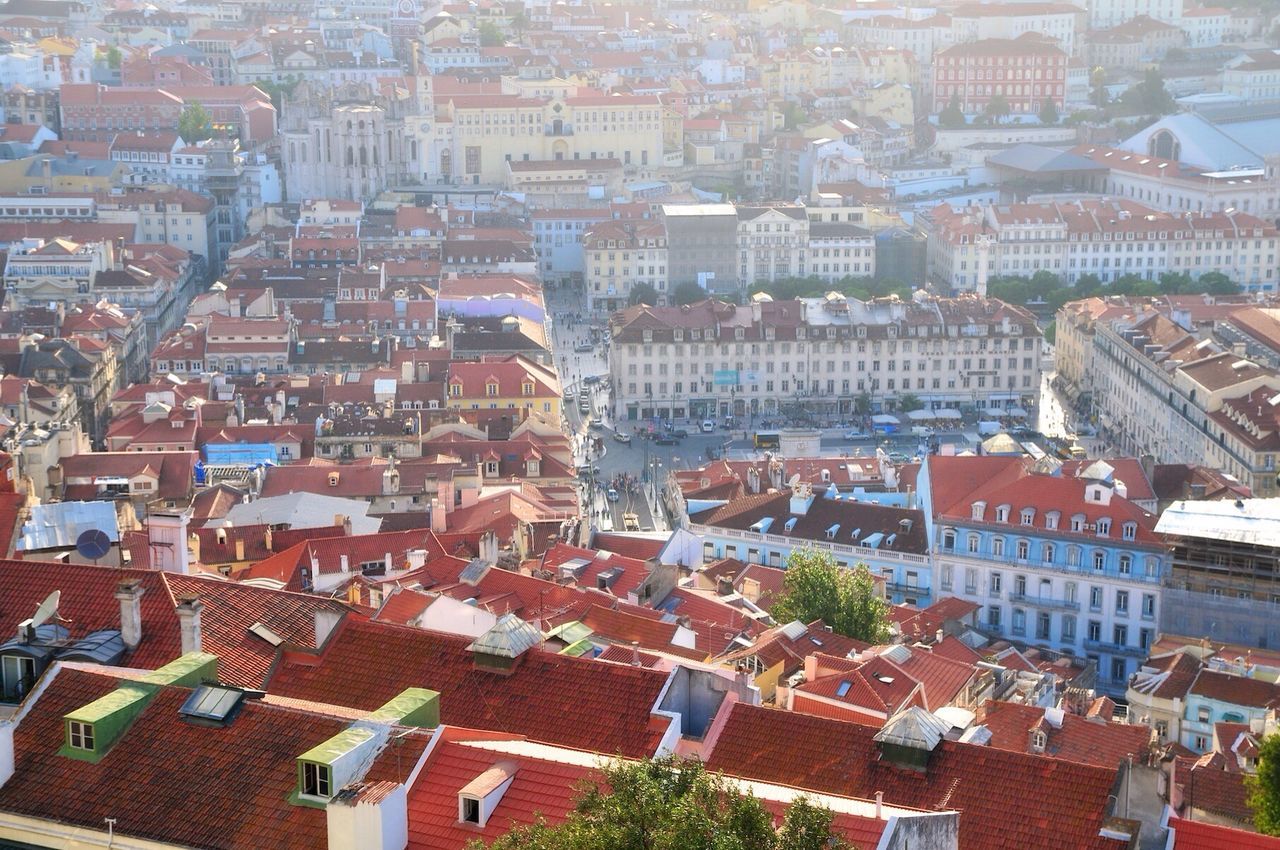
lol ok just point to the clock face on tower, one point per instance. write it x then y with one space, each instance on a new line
407 9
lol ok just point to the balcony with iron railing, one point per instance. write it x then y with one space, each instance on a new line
910 589
1114 648
1044 602
555 129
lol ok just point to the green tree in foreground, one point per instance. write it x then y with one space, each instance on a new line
1264 787
910 402
195 125
491 34
673 804
815 587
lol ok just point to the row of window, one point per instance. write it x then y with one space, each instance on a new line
1051 554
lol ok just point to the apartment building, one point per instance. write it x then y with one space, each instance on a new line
1110 13
59 270
1057 21
488 131
819 355
702 245
765 528
773 242
621 254
1026 71
1175 396
1061 561
1253 77
1108 238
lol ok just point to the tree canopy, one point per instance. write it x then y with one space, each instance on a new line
491 34
815 587
815 287
951 117
1045 287
997 108
1049 112
671 803
644 293
1264 787
688 293
195 125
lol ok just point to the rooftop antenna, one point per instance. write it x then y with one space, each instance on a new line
48 610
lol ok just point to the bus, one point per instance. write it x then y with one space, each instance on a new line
768 439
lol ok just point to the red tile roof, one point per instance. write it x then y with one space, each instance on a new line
553 698
176 782
1007 801
1079 739
1200 835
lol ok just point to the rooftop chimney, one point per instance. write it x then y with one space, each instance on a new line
437 517
130 595
369 816
167 538
189 608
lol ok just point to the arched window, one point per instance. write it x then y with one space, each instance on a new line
303 150
351 155
1164 145
293 152
364 156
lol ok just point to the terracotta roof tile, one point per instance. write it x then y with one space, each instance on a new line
553 698
1001 796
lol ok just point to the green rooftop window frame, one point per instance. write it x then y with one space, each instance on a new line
326 755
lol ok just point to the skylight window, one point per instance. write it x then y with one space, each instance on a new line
843 688
212 702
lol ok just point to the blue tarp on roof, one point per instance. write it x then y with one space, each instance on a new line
246 454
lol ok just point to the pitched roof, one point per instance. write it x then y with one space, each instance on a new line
553 698
169 780
1007 801
1078 739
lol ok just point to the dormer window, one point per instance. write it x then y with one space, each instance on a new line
479 798
979 510
491 389
455 390
1028 516
1002 513
526 388
739 333
80 735
1051 520
647 335
1129 531
315 780
1077 523
1104 527
469 810
678 334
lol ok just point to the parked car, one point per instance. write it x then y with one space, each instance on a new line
591 379
713 453
612 495
621 437
584 407
584 347
678 433
854 435
595 424
708 426
664 440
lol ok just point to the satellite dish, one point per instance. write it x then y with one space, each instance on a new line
93 543
48 609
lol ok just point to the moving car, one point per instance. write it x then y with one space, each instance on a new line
591 379
621 437
678 433
584 347
595 424
630 522
611 495
854 435
708 426
664 440
584 407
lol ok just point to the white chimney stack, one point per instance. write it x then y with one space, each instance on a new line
369 816
189 609
130 595
167 538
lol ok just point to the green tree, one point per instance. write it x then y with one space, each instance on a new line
815 587
997 109
1098 87
910 402
114 58
1049 112
644 293
278 92
491 35
793 115
1216 283
688 293
862 403
1051 332
952 117
671 803
195 125
1263 787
